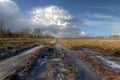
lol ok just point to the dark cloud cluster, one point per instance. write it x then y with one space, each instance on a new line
51 19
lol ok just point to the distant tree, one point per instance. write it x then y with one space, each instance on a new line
114 36
48 36
2 32
9 33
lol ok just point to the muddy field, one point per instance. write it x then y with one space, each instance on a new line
50 59
40 60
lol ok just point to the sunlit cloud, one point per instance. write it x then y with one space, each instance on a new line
56 21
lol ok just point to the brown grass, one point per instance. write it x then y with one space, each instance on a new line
100 45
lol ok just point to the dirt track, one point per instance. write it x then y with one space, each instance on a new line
84 71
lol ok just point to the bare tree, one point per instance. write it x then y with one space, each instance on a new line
1 24
37 32
26 30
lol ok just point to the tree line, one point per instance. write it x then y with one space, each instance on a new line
24 33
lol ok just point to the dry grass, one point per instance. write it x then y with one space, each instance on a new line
72 74
100 45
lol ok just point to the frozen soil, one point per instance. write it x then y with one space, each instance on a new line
84 72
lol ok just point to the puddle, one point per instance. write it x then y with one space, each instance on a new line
111 64
42 61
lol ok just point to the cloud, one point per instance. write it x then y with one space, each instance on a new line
101 21
11 16
98 19
51 15
51 19
56 21
101 16
112 8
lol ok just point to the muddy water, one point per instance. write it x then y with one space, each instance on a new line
111 64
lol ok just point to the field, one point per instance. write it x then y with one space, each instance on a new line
100 45
59 59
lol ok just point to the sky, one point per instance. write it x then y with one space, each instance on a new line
63 18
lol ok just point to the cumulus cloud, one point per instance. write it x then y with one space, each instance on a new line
51 19
51 15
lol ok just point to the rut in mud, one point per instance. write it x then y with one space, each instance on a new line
8 65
